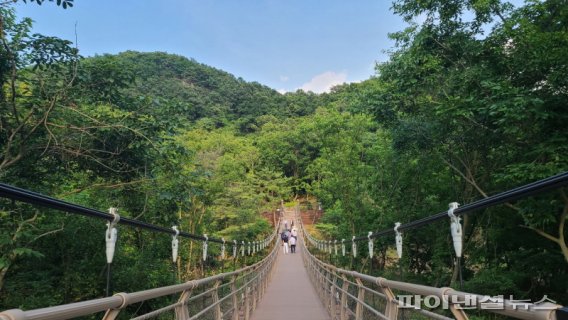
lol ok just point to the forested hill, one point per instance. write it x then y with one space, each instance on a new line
185 90
460 111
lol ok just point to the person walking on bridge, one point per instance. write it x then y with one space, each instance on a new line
285 236
292 242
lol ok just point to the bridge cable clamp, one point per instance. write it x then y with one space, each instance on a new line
371 245
205 245
343 247
329 247
111 234
175 244
456 229
354 247
234 249
335 246
253 247
398 240
243 248
223 249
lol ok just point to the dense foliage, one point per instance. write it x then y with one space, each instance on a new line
462 110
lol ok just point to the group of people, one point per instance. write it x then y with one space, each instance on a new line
289 238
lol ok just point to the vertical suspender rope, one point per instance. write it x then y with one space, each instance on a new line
223 249
243 248
234 249
343 247
111 235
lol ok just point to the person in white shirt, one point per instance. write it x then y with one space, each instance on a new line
292 242
295 233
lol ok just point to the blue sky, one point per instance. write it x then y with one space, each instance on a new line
285 45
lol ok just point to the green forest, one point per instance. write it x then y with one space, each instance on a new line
462 109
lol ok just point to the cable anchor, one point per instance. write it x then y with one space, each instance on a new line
398 240
111 234
456 229
205 245
371 245
175 244
354 247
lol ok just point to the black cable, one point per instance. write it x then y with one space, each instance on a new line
530 189
22 195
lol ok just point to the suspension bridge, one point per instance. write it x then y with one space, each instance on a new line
297 285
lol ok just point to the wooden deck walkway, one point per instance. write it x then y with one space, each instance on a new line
290 294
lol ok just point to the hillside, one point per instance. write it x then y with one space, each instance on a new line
186 90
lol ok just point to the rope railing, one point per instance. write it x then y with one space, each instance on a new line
227 295
352 295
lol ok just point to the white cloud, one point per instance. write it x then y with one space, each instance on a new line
282 91
325 81
284 78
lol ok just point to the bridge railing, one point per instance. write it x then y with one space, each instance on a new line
231 295
352 295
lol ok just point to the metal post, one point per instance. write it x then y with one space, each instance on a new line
234 298
360 300
391 309
247 303
215 300
111 314
343 307
181 311
332 296
254 294
264 282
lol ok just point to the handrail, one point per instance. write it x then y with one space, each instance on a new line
326 278
253 281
